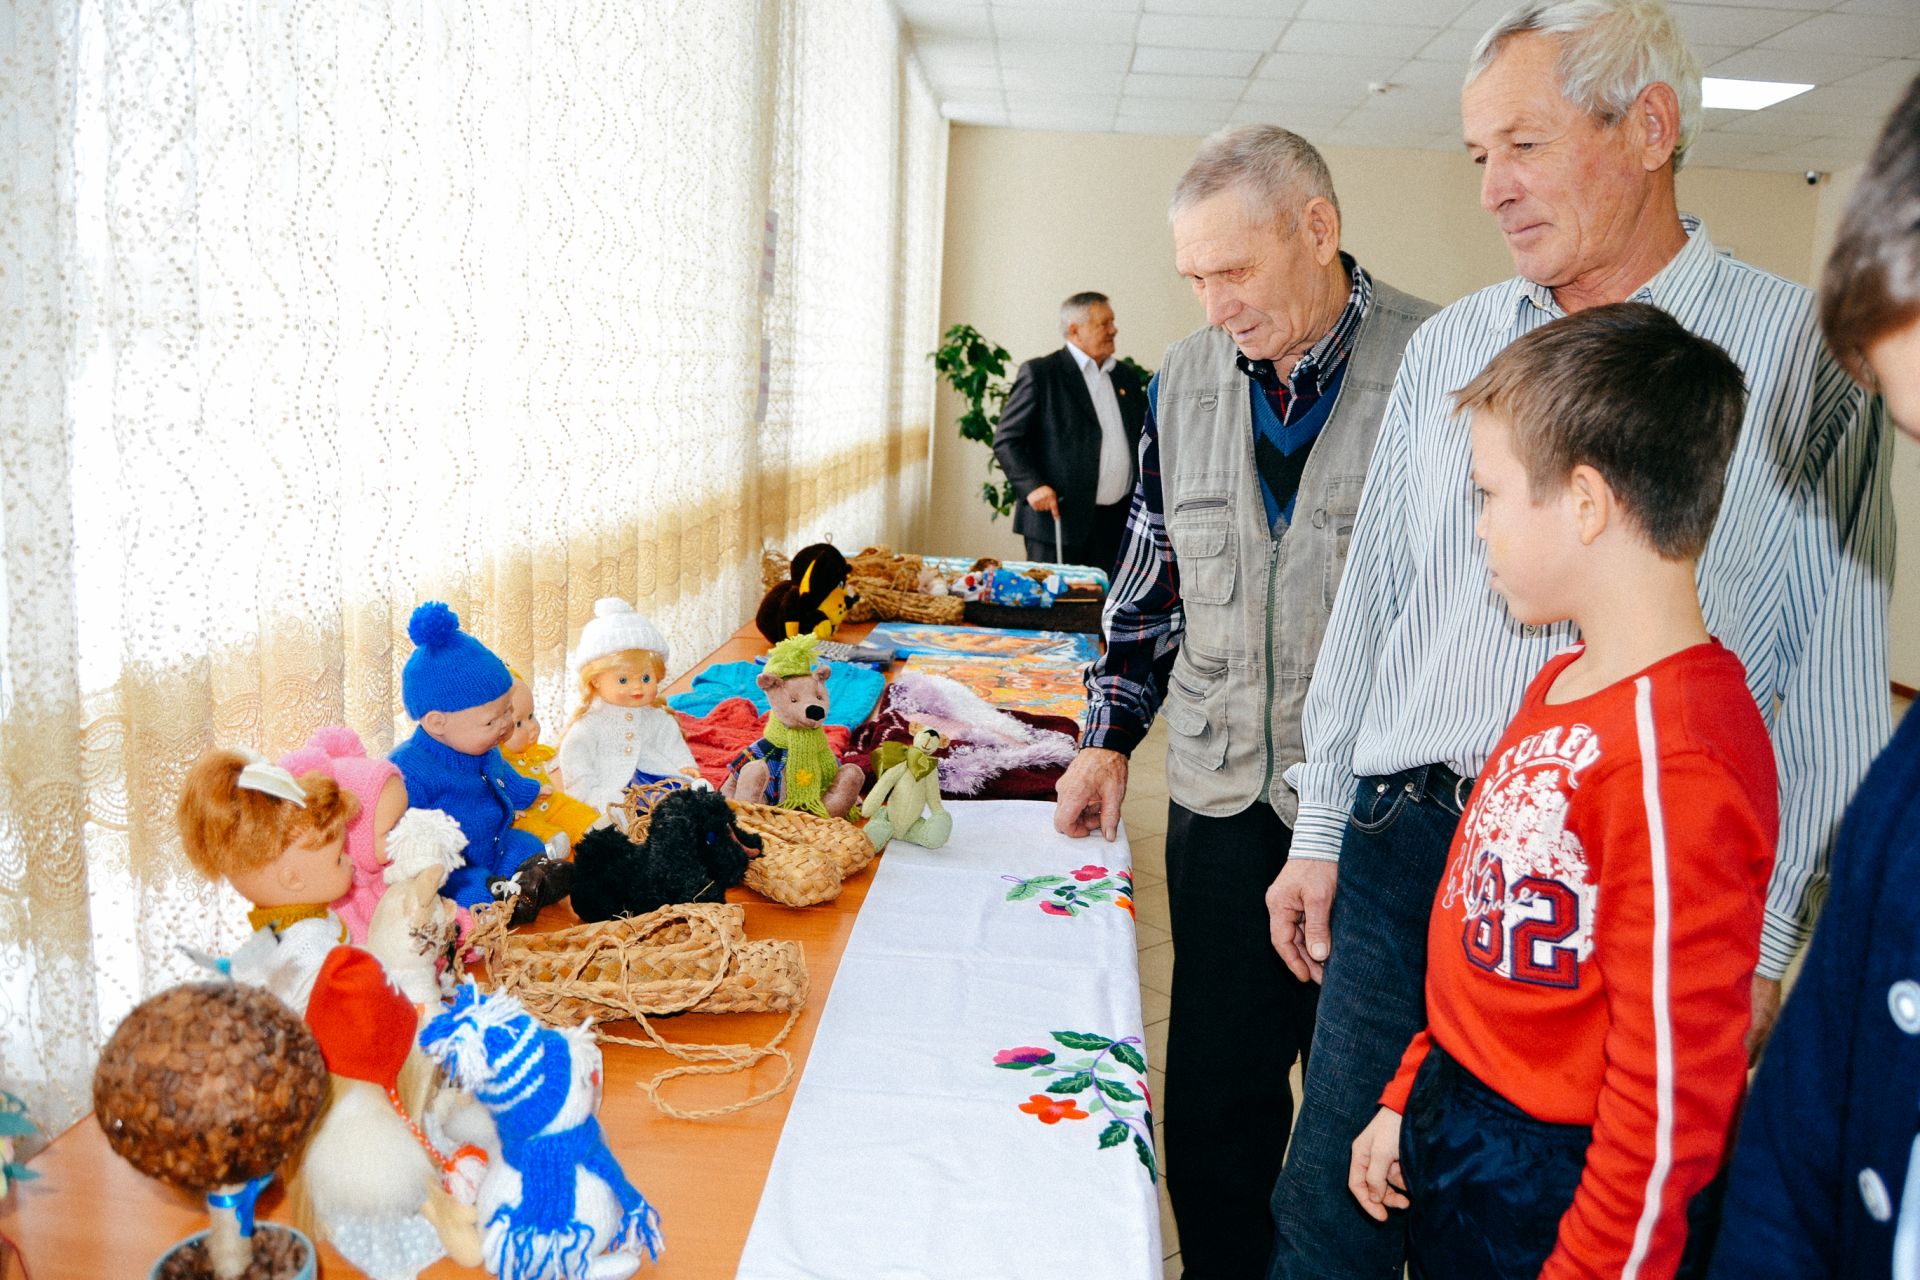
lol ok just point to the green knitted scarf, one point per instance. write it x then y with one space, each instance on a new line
810 765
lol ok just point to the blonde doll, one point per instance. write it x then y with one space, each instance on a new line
618 736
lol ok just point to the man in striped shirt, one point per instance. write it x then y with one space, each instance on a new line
1579 113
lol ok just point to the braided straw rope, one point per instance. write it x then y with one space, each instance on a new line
803 857
694 957
911 606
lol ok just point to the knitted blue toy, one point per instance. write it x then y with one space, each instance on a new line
451 673
555 1205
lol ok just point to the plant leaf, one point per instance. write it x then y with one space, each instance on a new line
1117 1091
1145 1153
1113 1135
1083 1040
1078 1083
1129 1055
1021 892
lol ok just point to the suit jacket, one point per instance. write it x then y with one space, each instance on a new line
1049 434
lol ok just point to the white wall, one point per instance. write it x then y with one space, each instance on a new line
1032 217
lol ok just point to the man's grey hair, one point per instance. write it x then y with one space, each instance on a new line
1277 170
1611 50
1074 310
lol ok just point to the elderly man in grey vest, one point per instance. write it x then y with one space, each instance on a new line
1255 444
1578 112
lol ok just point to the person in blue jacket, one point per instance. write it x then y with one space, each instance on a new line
460 693
1826 1172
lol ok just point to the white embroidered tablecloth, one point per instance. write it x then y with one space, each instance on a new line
975 1105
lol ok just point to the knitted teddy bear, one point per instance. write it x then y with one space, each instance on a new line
554 1205
459 691
694 851
908 787
792 766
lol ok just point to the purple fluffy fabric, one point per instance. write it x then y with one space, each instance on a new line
988 743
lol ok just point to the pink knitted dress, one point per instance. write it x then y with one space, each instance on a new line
337 752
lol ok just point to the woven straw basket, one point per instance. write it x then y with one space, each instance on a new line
803 858
911 606
690 958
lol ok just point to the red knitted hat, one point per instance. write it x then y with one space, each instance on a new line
363 1023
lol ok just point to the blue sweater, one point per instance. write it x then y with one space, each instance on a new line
481 793
1820 1180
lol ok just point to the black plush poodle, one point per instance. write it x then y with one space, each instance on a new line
693 852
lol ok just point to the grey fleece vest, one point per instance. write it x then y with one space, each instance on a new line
1257 600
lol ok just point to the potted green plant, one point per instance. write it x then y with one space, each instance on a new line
976 368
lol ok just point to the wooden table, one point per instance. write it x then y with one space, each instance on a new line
90 1216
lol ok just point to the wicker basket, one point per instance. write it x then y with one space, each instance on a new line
911 606
690 958
803 857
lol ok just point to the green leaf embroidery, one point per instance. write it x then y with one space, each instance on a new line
1078 1083
1117 1091
1022 1066
1131 1056
1113 1135
1081 1040
1021 892
1045 881
1146 1157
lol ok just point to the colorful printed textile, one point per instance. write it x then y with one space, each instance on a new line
1076 576
978 1073
906 638
852 691
1035 685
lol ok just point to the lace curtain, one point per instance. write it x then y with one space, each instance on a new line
316 310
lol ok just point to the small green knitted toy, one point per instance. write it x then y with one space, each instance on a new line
793 759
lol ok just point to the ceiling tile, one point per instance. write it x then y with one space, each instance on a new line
1480 16
1072 28
1355 39
1720 24
1798 65
1427 13
1202 88
1067 59
1185 31
1196 62
1076 6
1453 46
1892 76
1307 121
1301 93
1225 8
948 80
1207 115
1312 68
1349 134
1885 8
1866 35
1061 100
935 18
1157 125
1434 77
942 51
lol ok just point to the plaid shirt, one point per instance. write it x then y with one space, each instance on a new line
1143 617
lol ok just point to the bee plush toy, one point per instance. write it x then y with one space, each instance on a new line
812 601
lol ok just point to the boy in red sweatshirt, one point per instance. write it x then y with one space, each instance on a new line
1592 943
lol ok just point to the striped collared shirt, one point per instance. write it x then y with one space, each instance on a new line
1422 663
1144 619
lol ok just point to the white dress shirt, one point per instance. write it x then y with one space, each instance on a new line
1116 466
1422 663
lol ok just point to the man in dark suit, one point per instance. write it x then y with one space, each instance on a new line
1067 439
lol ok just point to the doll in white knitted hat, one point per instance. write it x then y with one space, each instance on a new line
619 736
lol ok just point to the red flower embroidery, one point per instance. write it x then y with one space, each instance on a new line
1089 872
1054 909
1051 1110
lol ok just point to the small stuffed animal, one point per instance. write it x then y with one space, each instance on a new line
907 789
694 852
413 931
792 766
813 600
555 1205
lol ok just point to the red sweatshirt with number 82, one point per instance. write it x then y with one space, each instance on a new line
1591 951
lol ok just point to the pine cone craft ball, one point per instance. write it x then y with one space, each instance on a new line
208 1084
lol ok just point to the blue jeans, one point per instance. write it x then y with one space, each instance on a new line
1372 1002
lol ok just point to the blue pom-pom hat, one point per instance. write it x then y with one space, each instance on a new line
449 669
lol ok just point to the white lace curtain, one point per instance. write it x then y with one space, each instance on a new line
314 310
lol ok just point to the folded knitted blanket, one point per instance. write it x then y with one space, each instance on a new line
851 690
990 754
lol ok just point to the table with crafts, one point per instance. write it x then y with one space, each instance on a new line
970 1101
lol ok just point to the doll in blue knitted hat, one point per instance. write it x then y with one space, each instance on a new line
459 691
555 1205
